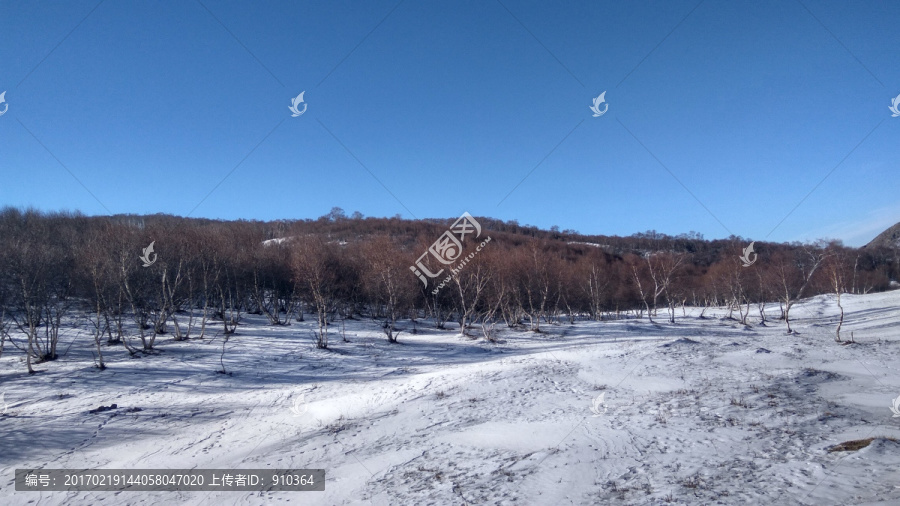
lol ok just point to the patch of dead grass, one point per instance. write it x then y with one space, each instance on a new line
856 444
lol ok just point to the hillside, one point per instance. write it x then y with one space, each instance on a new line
890 238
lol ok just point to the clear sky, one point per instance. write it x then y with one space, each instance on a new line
722 116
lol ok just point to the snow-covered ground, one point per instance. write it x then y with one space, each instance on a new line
701 412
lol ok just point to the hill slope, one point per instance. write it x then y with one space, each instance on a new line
890 238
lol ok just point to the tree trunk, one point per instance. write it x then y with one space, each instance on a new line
841 321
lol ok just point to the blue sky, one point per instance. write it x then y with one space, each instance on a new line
723 116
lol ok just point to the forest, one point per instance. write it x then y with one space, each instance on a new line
64 269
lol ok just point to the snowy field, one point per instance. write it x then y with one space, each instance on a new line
704 411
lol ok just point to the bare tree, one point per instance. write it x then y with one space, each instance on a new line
662 267
388 281
764 292
837 267
270 285
138 286
96 265
653 275
595 280
537 282
209 268
505 287
794 270
494 293
234 246
730 274
665 272
470 284
40 263
316 267
638 275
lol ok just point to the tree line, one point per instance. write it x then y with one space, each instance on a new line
205 275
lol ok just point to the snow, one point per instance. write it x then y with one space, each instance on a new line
589 244
693 413
277 240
